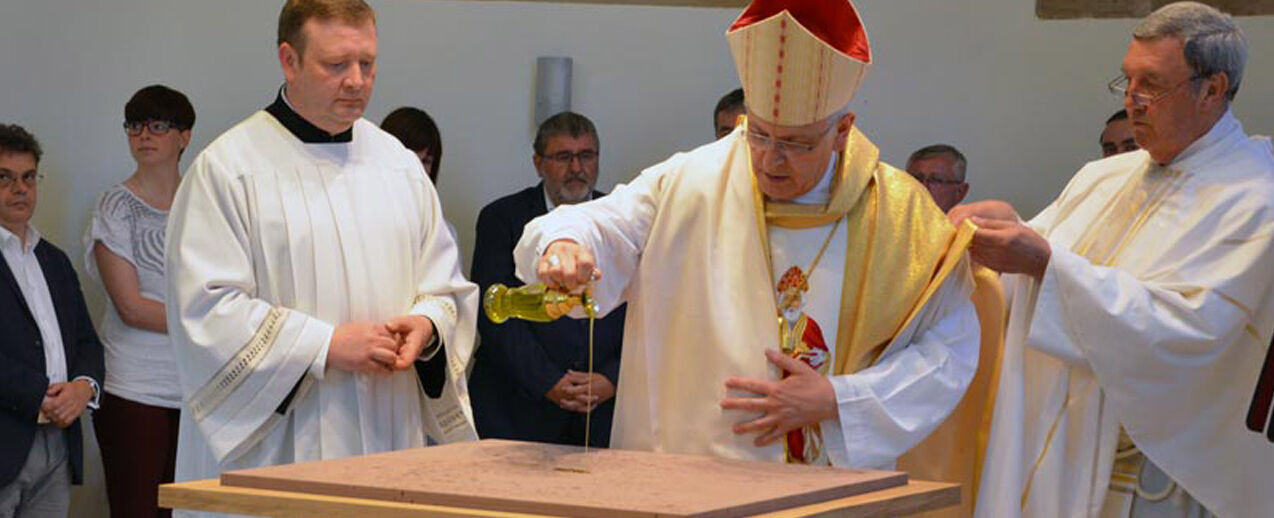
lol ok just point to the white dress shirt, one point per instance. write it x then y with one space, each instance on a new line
35 290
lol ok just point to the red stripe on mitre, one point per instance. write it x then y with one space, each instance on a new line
835 22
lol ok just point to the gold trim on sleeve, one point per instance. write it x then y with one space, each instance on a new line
445 305
235 371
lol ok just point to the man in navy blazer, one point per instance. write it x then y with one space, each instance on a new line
530 380
50 358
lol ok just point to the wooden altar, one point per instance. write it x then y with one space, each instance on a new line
495 478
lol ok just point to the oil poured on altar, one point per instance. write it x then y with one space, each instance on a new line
539 303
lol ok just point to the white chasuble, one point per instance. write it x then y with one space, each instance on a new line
1153 315
681 245
272 244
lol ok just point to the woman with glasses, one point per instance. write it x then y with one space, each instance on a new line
137 424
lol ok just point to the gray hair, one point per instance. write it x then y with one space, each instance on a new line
1213 43
938 150
565 123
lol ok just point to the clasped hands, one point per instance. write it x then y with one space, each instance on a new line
569 266
1003 243
380 348
64 402
572 391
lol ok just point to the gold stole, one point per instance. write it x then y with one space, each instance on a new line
956 449
900 248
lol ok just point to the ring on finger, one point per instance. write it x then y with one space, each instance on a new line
554 261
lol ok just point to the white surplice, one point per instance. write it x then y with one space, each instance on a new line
272 244
680 245
1164 337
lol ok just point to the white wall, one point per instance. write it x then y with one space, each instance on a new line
1025 99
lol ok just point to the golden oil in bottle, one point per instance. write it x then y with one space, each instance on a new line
533 302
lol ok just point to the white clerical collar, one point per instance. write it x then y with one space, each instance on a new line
11 240
1224 126
822 192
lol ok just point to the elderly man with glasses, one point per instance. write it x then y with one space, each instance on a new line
1141 302
791 297
530 381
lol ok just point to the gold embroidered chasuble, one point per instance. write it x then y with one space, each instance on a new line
685 244
897 254
900 249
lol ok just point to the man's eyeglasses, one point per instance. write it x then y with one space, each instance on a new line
134 128
29 178
1119 86
934 180
786 147
586 156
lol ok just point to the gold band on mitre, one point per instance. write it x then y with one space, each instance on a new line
799 61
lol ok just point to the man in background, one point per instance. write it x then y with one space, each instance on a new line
530 381
940 168
727 112
51 364
1117 137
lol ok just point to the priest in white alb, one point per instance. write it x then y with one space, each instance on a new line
1141 303
791 298
315 297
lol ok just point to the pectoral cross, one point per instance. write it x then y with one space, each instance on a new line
1258 416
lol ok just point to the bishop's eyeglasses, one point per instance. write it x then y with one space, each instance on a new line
786 147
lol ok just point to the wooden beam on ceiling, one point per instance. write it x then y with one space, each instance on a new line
666 3
1070 9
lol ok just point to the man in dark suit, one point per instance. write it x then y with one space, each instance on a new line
50 358
530 380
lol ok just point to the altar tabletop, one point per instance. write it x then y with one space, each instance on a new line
498 478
